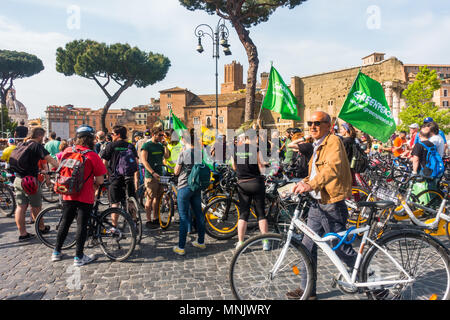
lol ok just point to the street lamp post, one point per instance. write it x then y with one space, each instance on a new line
219 38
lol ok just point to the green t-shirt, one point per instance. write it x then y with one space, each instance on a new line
155 157
52 147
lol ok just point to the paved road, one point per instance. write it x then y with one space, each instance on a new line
152 272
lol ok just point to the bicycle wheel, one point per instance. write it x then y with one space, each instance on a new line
104 197
429 198
354 217
52 217
421 256
116 240
165 210
447 228
7 201
48 194
282 220
134 212
221 224
250 269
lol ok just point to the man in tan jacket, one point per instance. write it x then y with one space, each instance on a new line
330 183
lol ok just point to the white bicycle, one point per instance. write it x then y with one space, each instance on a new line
404 264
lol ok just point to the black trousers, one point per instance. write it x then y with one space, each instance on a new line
251 190
82 212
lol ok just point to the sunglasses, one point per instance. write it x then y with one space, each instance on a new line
161 135
316 123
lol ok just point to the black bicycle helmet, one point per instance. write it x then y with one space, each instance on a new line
85 130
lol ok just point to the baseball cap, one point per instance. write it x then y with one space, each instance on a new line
414 126
428 119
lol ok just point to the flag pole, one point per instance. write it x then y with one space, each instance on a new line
264 94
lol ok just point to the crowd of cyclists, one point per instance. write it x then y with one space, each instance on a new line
321 163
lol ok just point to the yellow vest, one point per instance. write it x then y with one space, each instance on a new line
174 153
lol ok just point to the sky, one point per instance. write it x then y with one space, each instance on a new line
317 36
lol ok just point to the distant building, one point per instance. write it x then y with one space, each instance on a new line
65 120
16 110
200 110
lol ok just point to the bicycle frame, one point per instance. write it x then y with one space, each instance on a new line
350 280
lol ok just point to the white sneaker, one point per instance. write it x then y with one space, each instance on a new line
178 251
198 245
56 256
85 260
239 244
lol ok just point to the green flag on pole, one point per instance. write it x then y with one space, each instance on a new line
366 108
178 126
279 97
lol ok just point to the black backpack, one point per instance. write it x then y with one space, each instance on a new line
21 157
298 165
360 161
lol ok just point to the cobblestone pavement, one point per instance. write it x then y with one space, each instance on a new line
152 272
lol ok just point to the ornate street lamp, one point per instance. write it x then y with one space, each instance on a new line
219 38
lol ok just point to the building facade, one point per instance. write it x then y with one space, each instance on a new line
200 110
65 120
328 91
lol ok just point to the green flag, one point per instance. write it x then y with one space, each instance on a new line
279 97
178 126
366 108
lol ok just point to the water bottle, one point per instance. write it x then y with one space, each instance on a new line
353 163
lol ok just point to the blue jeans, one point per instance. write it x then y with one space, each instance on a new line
186 199
322 219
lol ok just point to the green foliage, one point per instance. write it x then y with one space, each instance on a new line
118 62
418 96
121 63
8 126
252 12
16 65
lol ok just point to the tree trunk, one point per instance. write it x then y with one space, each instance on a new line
252 73
111 100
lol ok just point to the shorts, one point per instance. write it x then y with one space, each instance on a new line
117 188
22 198
154 188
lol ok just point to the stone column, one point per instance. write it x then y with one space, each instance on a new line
396 106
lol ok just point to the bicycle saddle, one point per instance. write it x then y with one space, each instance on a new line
376 204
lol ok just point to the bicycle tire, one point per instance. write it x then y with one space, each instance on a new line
251 265
354 217
118 243
282 220
214 212
104 197
48 194
166 209
8 203
52 217
433 200
408 247
447 229
135 213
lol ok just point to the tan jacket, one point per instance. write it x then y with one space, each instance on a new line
333 176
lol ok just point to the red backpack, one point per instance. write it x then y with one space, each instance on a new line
70 178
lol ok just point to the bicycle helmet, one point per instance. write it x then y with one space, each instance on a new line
29 185
85 130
